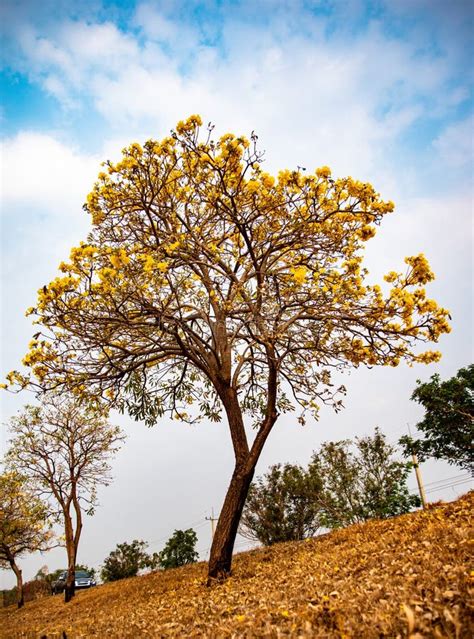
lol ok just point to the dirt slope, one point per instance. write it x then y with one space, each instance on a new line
405 577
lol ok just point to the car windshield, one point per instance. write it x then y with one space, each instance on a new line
79 574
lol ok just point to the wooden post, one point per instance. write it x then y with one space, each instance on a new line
419 480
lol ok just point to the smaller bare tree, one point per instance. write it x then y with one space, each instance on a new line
25 525
65 448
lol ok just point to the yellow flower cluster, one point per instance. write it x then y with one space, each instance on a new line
323 172
151 263
299 273
56 289
40 351
185 126
421 272
119 258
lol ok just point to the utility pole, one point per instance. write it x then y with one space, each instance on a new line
212 519
419 480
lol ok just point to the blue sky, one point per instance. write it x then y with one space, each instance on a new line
378 90
412 59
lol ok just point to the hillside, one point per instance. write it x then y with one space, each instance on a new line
404 577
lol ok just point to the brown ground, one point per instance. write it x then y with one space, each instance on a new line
404 577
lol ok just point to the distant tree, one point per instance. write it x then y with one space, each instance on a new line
448 424
49 578
361 482
342 485
65 447
25 525
126 560
283 505
180 549
9 596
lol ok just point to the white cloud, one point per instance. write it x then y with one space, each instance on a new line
157 27
101 46
456 144
66 61
44 185
40 170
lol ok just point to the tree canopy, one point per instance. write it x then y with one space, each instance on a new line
205 281
283 505
345 482
448 425
180 549
126 560
361 480
193 243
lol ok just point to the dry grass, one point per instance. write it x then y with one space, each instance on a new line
405 577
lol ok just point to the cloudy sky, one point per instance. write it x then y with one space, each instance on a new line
380 90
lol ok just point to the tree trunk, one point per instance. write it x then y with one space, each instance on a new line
220 559
70 587
20 596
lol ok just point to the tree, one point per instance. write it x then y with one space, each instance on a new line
283 505
341 486
447 426
361 484
180 549
25 525
126 560
64 448
206 281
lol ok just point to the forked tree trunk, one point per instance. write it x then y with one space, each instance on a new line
220 559
72 541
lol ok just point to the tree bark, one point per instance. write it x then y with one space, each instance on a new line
220 559
69 590
20 596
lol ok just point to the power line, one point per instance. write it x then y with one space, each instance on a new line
196 524
458 483
454 477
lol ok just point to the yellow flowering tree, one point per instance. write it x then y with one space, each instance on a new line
25 525
206 281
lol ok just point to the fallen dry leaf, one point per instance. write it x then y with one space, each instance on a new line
403 577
